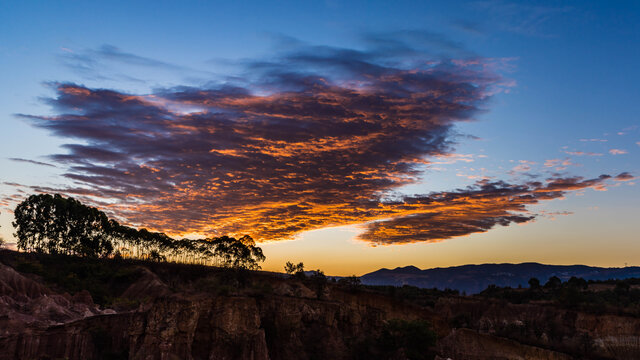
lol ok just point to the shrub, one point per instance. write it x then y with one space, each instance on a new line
351 282
553 283
318 282
295 270
413 338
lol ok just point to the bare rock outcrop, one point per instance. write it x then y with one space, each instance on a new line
148 286
466 344
25 303
547 326
16 286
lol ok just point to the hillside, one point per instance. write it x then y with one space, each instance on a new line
78 308
473 279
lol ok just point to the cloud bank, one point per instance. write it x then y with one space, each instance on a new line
314 137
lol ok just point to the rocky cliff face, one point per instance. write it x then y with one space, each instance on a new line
471 345
194 325
25 303
580 334
286 322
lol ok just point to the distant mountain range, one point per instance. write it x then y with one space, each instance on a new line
475 278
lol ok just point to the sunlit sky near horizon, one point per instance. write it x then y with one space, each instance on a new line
348 135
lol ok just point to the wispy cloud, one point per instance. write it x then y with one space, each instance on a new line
470 27
552 215
617 152
559 164
97 63
452 158
116 54
521 18
32 162
523 167
593 140
582 153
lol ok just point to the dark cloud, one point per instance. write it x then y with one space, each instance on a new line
314 137
32 162
624 176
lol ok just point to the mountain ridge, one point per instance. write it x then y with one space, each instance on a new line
473 278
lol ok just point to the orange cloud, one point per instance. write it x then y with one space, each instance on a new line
442 216
319 137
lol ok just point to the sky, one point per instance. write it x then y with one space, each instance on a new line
349 135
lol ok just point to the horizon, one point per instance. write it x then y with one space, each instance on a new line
522 263
349 136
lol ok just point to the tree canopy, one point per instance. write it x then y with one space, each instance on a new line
54 224
57 225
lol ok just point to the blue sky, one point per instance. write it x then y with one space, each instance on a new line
567 98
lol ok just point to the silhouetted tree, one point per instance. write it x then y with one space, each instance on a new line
534 283
351 282
318 281
241 253
154 255
578 283
295 270
54 224
553 283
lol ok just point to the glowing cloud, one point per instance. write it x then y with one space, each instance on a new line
479 208
316 137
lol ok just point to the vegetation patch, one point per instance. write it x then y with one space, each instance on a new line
620 297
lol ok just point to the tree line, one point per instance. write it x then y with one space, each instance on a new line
54 224
615 296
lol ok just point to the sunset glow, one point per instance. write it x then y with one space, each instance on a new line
361 143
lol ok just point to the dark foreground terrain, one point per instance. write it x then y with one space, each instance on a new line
71 308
